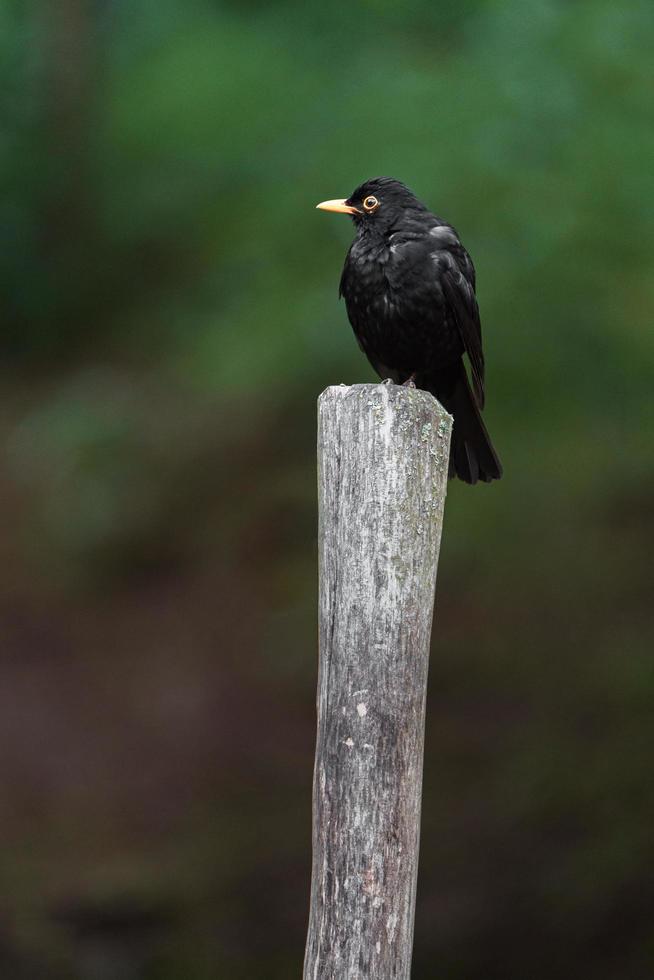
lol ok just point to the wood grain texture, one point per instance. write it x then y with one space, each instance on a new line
382 476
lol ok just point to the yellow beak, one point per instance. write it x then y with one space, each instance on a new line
338 205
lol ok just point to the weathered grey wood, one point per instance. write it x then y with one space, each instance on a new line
382 474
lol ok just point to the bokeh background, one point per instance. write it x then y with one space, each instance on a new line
169 316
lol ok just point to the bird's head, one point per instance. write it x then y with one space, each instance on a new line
378 205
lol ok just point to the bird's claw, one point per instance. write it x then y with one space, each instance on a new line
410 382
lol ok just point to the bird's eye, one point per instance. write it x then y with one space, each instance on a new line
370 204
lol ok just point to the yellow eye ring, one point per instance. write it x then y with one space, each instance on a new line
370 204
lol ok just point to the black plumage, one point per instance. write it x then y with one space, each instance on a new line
409 289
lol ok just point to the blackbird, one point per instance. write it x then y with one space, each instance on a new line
409 289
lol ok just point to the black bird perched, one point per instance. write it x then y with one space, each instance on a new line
409 288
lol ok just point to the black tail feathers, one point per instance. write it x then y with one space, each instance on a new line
472 456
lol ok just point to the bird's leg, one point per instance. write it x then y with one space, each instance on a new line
410 382
388 381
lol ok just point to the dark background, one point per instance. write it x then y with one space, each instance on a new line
169 317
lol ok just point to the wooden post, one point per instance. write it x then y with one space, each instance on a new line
382 473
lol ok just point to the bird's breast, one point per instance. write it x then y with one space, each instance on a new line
397 309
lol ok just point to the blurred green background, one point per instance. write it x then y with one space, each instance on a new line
170 315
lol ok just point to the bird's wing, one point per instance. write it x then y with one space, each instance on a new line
457 277
417 254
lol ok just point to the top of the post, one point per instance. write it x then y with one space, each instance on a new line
393 396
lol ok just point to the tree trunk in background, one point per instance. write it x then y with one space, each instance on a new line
69 81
